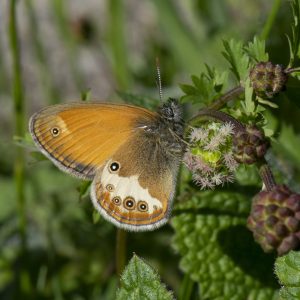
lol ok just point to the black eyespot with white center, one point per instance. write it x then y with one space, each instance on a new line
117 200
110 187
114 167
129 203
142 206
55 131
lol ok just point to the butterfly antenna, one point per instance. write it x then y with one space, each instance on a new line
158 81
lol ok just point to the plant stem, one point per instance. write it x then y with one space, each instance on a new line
22 275
18 97
209 114
291 70
220 102
271 19
118 44
266 175
186 288
120 251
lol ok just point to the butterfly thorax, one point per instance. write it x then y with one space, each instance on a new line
166 131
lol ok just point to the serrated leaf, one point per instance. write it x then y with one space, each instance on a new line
237 58
207 87
248 104
287 268
257 50
219 252
140 281
197 82
188 89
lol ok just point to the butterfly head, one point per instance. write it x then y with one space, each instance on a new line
171 111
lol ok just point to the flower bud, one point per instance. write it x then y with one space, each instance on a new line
275 220
249 145
268 79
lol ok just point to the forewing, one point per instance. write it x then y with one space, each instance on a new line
79 138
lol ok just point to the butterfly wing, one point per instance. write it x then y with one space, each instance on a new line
134 176
135 188
79 138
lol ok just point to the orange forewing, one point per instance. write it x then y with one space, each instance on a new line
88 134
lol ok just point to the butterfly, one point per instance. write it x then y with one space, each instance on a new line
131 154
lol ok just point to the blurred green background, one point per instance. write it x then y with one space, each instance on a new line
51 246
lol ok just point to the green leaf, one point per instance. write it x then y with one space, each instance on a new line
287 268
238 60
189 89
24 142
140 281
86 95
248 104
218 251
38 156
257 50
206 87
83 189
96 216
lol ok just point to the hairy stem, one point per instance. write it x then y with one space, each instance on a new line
266 175
291 70
120 251
231 94
209 114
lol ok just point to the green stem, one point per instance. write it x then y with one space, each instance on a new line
117 43
22 275
186 288
120 251
17 90
292 70
271 19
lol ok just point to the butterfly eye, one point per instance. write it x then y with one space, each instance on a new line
55 131
129 203
117 200
142 206
114 167
110 187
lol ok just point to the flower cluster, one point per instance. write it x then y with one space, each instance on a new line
209 155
